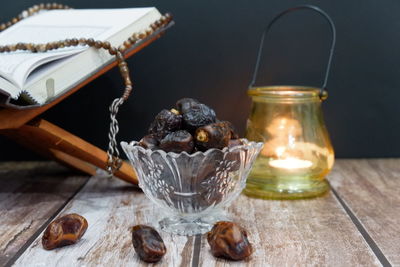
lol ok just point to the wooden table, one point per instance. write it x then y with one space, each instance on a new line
356 224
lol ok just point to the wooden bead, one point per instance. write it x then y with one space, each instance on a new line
132 40
113 51
21 46
2 26
90 42
119 55
153 26
127 43
124 72
74 41
41 48
48 6
122 48
98 44
54 44
2 49
142 35
106 45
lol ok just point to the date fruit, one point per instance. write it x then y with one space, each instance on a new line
185 104
149 141
229 240
165 122
148 243
64 231
198 116
214 135
177 142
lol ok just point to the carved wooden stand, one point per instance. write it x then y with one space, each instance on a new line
27 128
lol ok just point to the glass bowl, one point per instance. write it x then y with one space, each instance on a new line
191 189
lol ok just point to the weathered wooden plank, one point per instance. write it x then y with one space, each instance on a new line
314 232
30 193
111 207
371 190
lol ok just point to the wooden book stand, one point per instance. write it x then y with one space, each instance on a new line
25 127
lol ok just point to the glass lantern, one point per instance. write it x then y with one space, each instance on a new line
297 152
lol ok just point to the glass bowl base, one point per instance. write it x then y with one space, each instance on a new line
189 226
281 189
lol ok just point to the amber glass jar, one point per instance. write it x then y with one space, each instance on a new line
297 153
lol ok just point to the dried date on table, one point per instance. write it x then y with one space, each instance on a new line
229 240
148 243
64 231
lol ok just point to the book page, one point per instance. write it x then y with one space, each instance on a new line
16 66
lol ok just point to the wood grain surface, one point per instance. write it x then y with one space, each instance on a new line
111 207
356 224
371 190
30 193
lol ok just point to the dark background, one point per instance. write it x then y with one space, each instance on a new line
210 54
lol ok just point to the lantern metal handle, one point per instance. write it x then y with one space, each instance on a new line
323 91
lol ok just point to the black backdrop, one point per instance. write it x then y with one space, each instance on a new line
209 54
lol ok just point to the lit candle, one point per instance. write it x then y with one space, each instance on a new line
290 163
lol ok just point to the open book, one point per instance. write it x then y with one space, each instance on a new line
38 78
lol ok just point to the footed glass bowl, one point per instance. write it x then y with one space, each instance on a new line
192 188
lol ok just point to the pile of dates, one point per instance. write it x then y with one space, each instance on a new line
191 126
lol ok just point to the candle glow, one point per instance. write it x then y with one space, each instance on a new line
290 163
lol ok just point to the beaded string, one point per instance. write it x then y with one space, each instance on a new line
113 160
